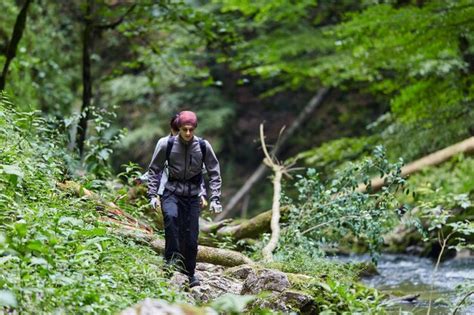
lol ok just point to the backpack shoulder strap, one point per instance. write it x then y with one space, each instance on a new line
202 145
169 147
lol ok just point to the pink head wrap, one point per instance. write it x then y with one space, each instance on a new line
187 118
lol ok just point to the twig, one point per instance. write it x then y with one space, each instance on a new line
117 22
329 222
443 246
462 302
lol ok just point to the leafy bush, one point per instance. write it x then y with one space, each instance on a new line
325 213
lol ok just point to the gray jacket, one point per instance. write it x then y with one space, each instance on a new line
185 168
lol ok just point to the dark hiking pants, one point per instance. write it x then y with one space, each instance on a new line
181 218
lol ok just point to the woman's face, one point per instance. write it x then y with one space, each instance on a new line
186 132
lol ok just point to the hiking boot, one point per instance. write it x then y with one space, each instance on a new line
193 281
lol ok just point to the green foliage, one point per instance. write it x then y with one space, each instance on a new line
132 172
443 185
415 57
232 304
46 70
334 153
443 197
349 299
100 142
318 267
333 284
55 254
330 213
325 213
409 141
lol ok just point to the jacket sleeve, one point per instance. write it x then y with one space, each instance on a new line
213 171
156 167
203 191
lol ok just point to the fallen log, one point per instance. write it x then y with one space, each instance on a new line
251 228
109 208
261 223
216 256
438 157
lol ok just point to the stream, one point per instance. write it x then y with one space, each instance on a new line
406 275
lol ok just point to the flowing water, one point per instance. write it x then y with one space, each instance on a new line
406 275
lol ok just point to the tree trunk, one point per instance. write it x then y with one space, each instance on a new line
251 228
87 47
18 30
260 171
275 223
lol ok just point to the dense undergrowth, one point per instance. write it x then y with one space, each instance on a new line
54 253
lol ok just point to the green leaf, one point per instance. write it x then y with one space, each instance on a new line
38 261
21 229
104 154
231 303
38 246
72 221
7 298
94 232
13 171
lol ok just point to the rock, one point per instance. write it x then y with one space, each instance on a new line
213 283
265 280
367 269
239 272
161 307
299 300
410 298
288 301
464 253
179 280
239 280
209 267
272 302
213 286
415 250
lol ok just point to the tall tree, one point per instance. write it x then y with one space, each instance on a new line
91 27
14 41
87 46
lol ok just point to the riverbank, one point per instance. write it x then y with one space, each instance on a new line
407 275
